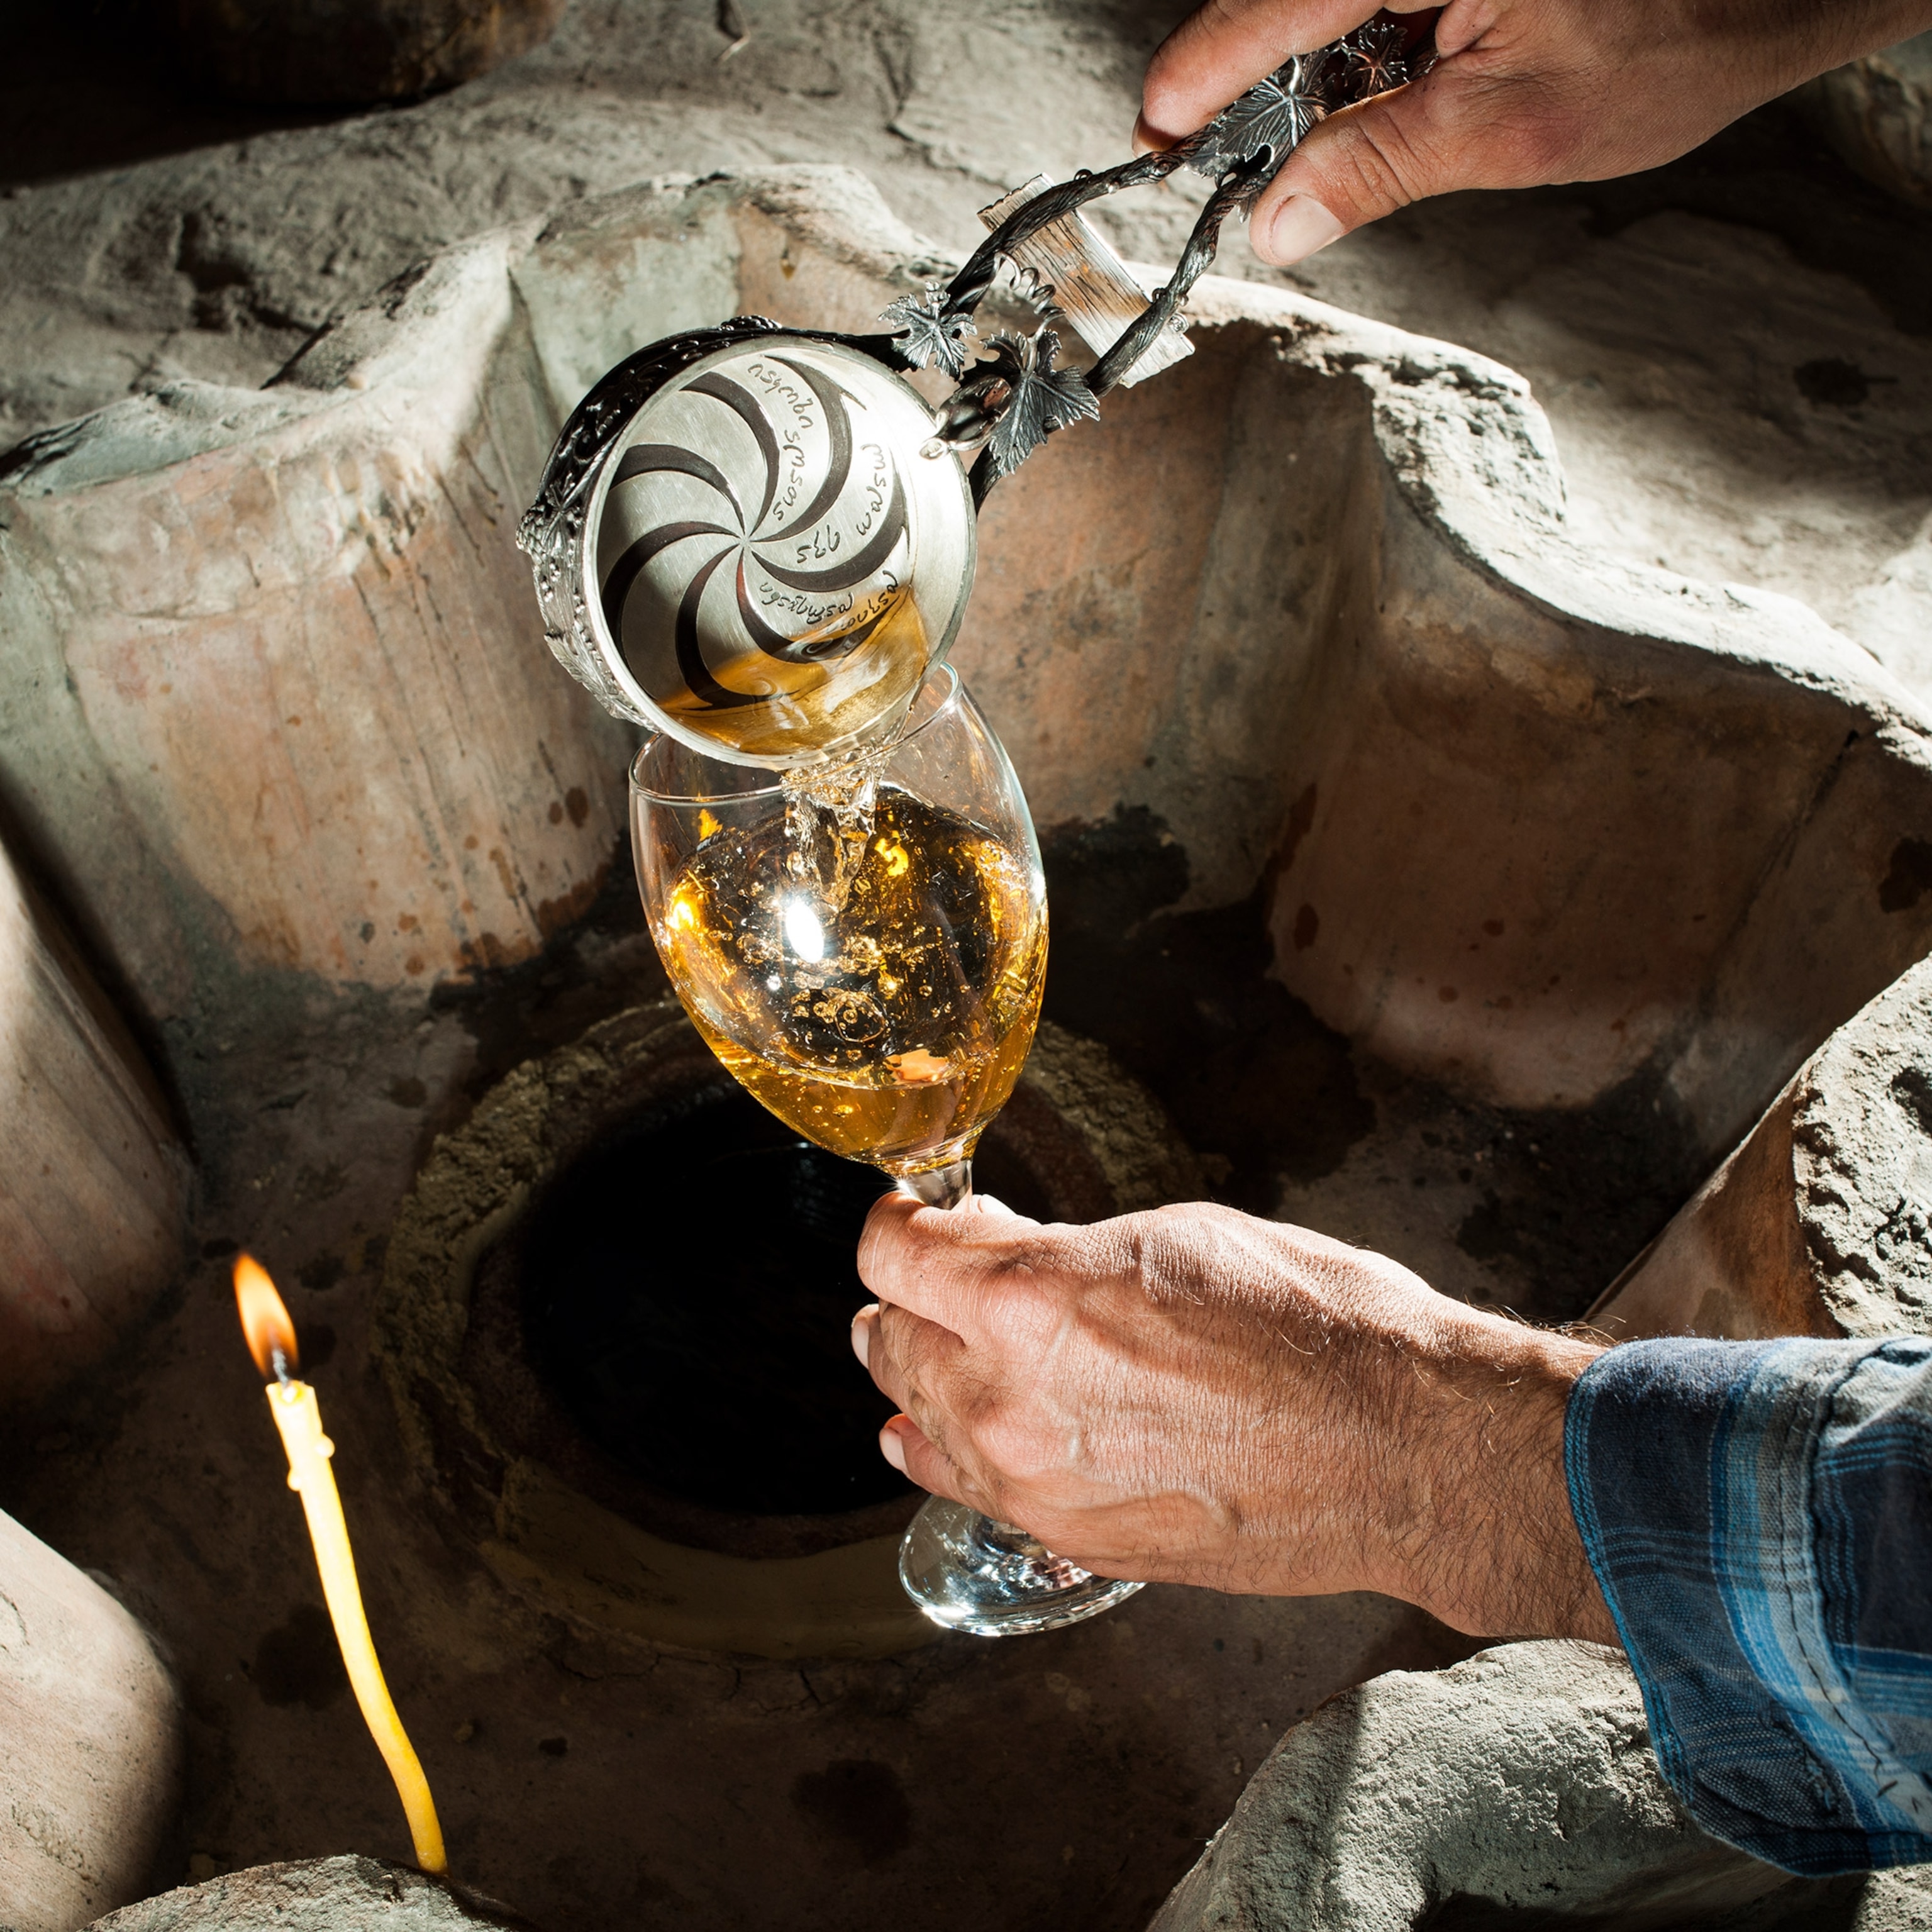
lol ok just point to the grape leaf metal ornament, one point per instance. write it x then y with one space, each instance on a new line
1375 59
1277 114
1043 398
929 335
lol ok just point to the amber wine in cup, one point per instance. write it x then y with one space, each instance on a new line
864 947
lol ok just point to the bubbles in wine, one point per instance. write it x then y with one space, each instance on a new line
868 964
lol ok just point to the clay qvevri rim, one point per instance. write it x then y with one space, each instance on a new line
542 1508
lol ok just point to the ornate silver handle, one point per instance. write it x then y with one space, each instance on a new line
724 551
1012 401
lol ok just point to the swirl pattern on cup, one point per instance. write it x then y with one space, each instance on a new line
756 523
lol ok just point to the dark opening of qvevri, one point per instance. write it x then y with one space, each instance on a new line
687 1290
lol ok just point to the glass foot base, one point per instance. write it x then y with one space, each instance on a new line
968 1573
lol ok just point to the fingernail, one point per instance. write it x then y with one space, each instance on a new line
862 1332
889 1445
1301 225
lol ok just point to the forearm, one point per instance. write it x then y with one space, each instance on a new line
1481 1531
1752 1522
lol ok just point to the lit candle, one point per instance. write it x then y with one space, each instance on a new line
272 1341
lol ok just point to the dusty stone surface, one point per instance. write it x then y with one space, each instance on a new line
1821 1222
1517 1789
94 1178
1862 1163
254 707
1522 1778
1537 966
1733 352
346 1894
91 1747
1877 113
358 51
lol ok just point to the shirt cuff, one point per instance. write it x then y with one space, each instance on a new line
1728 1494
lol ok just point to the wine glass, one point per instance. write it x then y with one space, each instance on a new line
863 946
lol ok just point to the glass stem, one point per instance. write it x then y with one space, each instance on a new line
948 1186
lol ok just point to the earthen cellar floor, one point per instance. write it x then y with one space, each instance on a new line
604 1783
1690 336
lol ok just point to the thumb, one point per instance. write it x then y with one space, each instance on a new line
1450 129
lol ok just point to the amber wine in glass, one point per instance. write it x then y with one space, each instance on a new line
872 976
863 947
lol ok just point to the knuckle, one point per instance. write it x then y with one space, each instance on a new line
1023 1450
913 1248
887 1238
1022 1309
1380 165
1164 1250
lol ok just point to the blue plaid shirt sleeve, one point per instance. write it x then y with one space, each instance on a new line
1759 1515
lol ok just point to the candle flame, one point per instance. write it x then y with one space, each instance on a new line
270 1334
